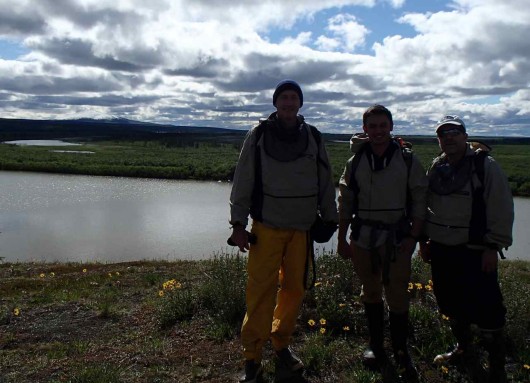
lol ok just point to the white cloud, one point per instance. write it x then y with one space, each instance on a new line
208 60
347 31
324 43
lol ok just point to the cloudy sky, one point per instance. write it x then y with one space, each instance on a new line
216 62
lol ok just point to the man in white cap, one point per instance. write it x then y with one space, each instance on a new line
469 220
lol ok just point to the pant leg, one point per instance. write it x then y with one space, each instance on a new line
263 265
449 281
291 292
372 283
486 301
396 291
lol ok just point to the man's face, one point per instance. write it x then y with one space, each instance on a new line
288 104
378 128
452 141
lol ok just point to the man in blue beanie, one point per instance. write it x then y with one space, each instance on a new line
288 85
282 179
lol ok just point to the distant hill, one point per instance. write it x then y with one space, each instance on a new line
122 128
20 129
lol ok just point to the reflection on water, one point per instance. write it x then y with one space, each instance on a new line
49 217
41 143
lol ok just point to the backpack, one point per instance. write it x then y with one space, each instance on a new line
406 152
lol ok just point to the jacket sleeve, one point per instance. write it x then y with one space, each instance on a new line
499 205
418 184
346 195
243 184
327 195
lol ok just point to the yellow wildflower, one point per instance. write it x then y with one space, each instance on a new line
428 287
419 286
444 317
171 284
42 275
411 286
341 305
526 366
445 370
318 284
346 328
16 311
110 275
117 273
311 322
323 322
322 330
52 274
84 270
430 282
161 293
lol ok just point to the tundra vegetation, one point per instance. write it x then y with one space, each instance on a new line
179 321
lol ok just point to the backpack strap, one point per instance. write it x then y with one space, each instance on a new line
256 206
407 157
478 222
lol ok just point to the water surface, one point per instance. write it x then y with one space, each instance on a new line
55 217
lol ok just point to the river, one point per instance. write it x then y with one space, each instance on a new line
72 218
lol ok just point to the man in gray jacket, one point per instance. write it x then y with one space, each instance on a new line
283 177
469 220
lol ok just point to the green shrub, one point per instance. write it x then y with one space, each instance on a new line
176 304
222 295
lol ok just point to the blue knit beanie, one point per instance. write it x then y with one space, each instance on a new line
287 85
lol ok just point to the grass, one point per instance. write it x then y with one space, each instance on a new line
160 321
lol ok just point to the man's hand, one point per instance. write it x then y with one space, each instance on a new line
240 238
344 249
490 260
425 251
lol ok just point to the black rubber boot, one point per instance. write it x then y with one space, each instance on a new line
495 345
399 324
374 356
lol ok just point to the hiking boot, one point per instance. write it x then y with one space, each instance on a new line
253 372
374 359
288 359
287 365
465 360
454 356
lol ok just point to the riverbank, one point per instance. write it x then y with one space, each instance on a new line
207 158
154 321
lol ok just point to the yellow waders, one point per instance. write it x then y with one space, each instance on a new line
275 288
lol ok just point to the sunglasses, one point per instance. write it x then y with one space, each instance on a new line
449 133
